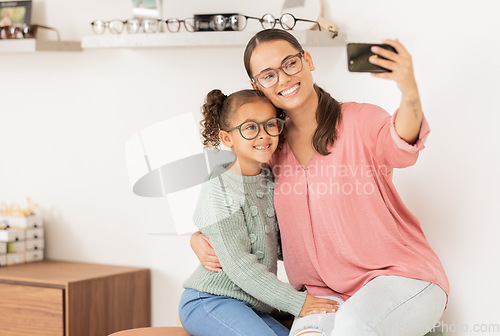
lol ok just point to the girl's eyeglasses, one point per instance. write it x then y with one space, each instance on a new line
239 22
290 66
249 130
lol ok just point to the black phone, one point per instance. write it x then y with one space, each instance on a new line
358 54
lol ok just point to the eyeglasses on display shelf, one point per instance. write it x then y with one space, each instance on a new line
190 24
24 31
132 26
149 26
218 22
239 21
287 21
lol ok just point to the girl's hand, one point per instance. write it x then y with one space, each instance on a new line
400 64
205 252
315 305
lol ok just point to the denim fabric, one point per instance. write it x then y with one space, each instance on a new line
387 305
203 314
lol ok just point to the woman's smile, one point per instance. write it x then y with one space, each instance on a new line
290 91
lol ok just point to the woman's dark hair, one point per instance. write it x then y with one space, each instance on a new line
328 114
217 110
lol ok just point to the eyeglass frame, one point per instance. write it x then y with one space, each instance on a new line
107 25
281 23
184 23
258 127
277 70
141 23
227 19
261 20
33 27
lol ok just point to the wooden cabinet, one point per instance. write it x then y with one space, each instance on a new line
55 298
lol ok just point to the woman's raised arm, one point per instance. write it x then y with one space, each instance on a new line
409 117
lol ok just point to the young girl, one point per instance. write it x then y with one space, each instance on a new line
235 210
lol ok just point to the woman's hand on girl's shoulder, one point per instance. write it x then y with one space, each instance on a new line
399 63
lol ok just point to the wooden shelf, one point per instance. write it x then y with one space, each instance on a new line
31 45
199 39
60 298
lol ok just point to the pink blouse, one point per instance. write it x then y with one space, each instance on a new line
342 221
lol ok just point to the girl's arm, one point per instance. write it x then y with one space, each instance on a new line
231 242
409 117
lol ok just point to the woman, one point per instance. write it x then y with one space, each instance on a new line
346 234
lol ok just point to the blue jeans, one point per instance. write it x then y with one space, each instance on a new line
387 305
203 314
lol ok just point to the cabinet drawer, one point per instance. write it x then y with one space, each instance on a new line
31 310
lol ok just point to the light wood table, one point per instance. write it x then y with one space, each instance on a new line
55 298
163 331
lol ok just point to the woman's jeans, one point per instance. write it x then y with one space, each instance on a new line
387 305
203 314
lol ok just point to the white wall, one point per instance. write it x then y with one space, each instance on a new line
65 118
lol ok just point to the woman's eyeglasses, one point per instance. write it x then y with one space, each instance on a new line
24 31
249 130
290 66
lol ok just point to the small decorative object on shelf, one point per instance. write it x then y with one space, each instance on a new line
146 9
21 234
220 22
18 35
15 12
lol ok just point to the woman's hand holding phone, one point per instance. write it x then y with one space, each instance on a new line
409 117
399 63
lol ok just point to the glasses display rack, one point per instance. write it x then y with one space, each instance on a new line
27 45
199 39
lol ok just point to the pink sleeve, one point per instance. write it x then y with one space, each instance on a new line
402 144
386 145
